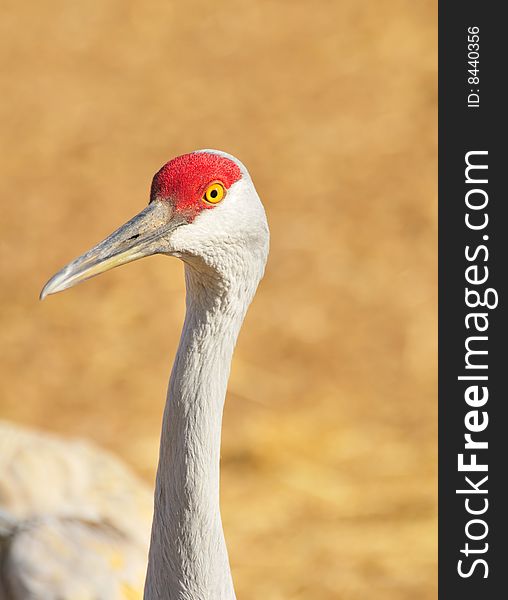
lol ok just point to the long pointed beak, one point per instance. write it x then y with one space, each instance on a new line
139 237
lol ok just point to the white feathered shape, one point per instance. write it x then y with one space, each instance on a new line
74 521
205 210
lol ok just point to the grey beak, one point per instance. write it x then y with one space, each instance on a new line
139 237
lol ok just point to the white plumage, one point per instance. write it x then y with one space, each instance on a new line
74 521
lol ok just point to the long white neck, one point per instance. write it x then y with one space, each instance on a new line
188 558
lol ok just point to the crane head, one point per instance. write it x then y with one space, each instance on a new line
203 209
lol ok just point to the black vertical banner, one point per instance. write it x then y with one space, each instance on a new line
473 256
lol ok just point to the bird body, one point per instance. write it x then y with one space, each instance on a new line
205 210
74 521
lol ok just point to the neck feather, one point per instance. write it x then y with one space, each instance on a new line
188 558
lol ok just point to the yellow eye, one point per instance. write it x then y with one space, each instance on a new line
214 193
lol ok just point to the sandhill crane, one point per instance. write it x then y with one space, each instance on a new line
205 210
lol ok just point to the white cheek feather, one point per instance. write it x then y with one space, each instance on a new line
234 231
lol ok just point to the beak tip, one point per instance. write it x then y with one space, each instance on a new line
45 292
51 287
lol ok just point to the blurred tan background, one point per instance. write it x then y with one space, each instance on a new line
329 444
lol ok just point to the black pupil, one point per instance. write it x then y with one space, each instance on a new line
213 193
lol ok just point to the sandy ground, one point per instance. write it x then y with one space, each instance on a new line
329 448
